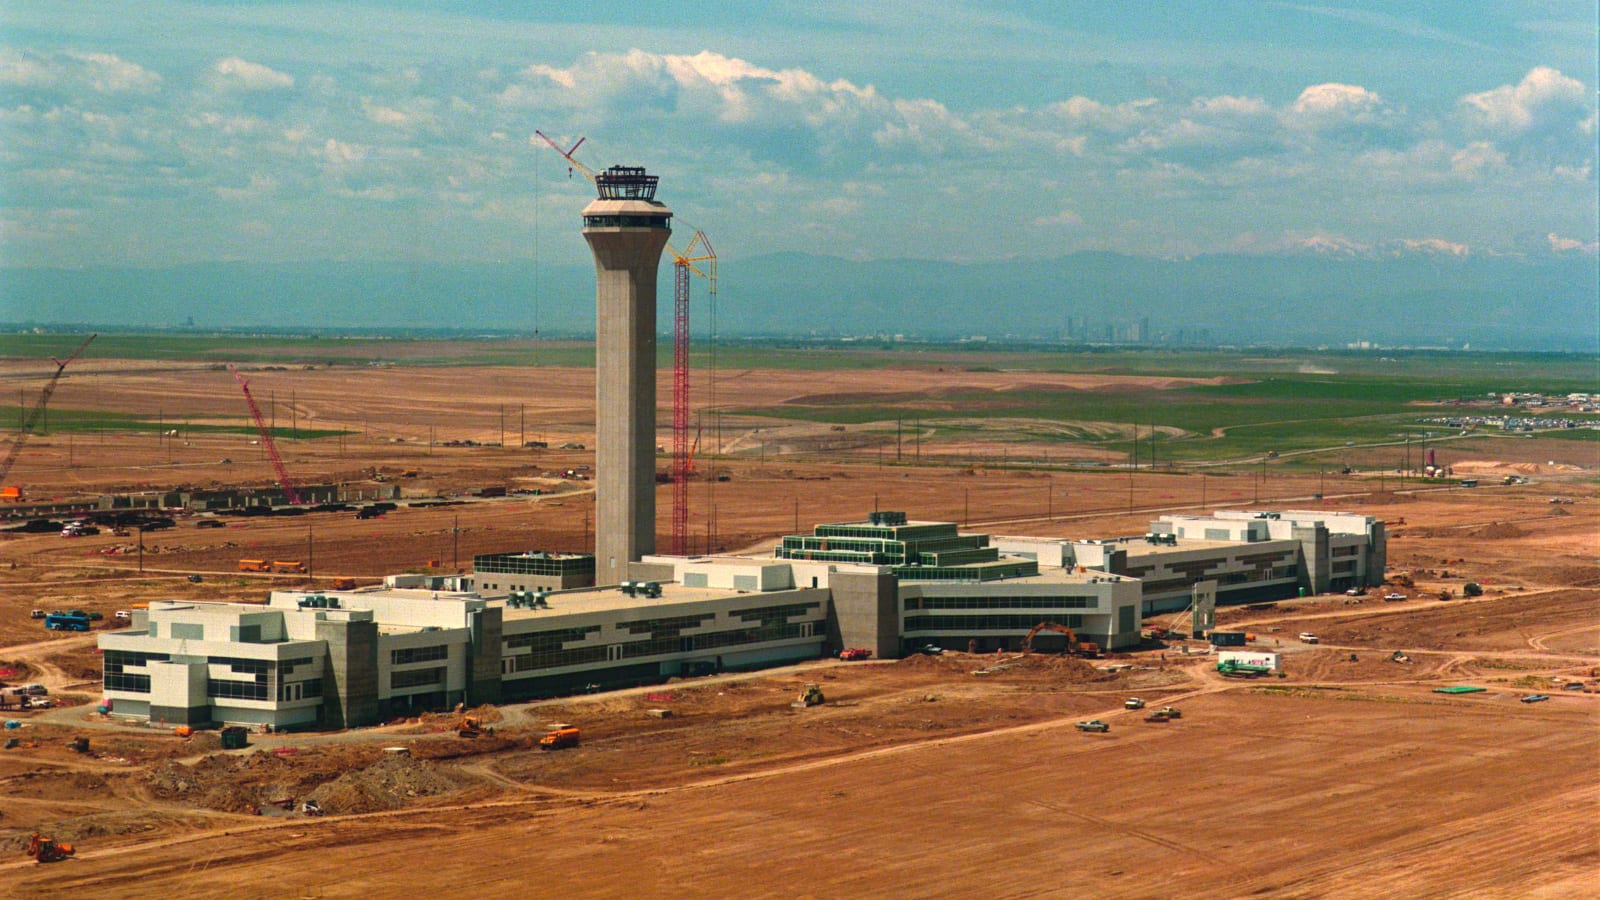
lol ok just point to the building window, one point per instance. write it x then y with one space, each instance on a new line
406 655
116 677
416 678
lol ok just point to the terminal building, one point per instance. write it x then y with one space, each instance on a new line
527 625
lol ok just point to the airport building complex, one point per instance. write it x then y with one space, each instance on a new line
514 631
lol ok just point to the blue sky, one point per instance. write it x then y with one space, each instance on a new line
156 133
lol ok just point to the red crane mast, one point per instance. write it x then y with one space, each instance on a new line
266 440
38 409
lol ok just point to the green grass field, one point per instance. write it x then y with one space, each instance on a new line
1286 401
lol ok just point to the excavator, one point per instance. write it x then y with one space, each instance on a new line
47 850
1074 646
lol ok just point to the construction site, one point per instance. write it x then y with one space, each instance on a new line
1400 696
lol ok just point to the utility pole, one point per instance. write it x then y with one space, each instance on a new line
311 564
1049 499
502 425
455 553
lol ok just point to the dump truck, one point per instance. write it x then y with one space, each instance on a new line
559 739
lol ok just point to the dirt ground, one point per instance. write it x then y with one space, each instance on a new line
916 778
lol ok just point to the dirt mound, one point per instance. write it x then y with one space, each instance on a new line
1498 531
389 783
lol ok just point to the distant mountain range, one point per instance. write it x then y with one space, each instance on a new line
1417 299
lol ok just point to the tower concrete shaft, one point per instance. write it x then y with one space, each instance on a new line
626 229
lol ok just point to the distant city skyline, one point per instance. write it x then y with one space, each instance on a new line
159 133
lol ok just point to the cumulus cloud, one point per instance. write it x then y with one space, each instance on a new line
101 73
1333 109
234 73
1544 99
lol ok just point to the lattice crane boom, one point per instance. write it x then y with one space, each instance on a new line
32 418
266 439
682 456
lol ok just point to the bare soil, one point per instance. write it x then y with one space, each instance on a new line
915 778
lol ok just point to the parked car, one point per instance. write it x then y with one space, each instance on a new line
930 650
1535 698
1307 637
1133 703
1394 596
1094 725
853 653
1572 686
36 614
1355 592
211 523
1171 712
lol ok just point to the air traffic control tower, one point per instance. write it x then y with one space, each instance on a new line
626 229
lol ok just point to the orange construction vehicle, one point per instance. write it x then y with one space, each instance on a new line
559 738
47 850
1075 646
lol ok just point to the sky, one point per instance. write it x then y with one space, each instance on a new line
161 133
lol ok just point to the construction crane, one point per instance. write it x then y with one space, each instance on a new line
698 251
33 415
266 439
682 456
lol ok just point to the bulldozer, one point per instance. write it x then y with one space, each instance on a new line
47 850
811 696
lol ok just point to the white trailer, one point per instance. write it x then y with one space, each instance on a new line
1261 658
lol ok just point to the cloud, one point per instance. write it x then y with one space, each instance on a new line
1559 244
1544 99
1063 219
1340 110
234 73
1431 246
101 73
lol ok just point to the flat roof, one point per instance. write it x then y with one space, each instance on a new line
1138 547
1047 575
610 600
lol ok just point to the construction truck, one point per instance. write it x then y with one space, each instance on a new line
559 738
811 696
48 850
